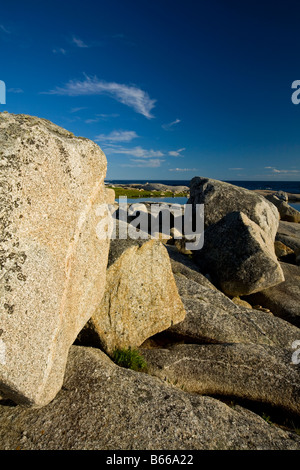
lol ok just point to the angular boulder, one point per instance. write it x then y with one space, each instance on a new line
140 298
221 198
239 256
53 265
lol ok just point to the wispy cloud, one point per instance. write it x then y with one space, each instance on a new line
15 90
285 172
138 152
59 50
152 163
4 30
76 110
183 169
131 96
91 121
117 136
236 169
169 126
107 116
78 42
176 153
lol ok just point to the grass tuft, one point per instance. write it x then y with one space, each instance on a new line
130 359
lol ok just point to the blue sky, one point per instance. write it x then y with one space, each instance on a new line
169 89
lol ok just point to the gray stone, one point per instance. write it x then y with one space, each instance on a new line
221 198
104 407
53 265
286 212
257 373
239 256
284 299
289 234
213 318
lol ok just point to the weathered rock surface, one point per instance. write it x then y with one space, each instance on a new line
53 266
289 234
221 198
284 299
104 407
259 373
286 212
140 298
282 251
213 318
239 256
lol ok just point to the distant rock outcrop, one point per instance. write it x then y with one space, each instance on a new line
53 266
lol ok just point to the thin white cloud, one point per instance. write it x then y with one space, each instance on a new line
137 152
78 42
117 136
236 169
107 116
140 163
15 90
91 121
5 30
176 153
285 172
169 126
60 50
131 96
183 169
76 110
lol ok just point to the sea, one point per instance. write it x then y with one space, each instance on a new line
287 186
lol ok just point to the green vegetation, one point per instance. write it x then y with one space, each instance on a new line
130 359
136 193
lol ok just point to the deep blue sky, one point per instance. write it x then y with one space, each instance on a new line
169 89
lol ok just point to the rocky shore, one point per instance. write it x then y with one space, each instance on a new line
140 343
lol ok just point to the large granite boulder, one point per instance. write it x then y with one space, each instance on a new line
53 265
104 407
257 373
221 198
140 298
239 256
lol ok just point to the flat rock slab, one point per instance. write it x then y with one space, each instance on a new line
258 373
104 407
53 265
284 299
211 317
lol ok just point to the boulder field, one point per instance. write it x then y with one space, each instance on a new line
214 331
